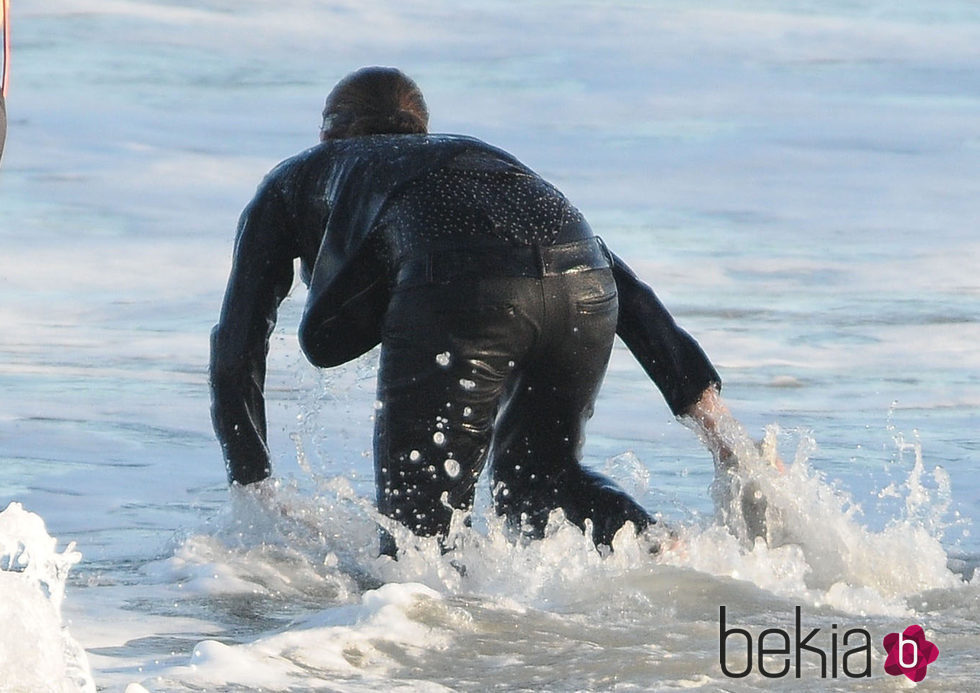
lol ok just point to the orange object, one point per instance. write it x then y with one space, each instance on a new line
5 37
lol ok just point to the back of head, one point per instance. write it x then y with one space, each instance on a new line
374 101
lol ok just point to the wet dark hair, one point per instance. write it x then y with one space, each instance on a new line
374 101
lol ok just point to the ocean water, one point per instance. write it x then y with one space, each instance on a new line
797 180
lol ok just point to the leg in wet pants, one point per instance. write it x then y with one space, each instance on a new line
509 368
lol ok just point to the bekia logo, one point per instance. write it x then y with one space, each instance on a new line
909 653
836 652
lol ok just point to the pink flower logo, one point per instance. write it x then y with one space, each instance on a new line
909 653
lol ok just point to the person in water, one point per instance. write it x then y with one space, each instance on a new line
495 305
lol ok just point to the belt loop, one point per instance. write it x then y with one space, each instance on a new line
604 250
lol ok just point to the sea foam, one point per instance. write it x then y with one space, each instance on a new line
37 653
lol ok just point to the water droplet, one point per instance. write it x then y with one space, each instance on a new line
466 384
439 438
452 467
378 404
467 411
414 455
443 359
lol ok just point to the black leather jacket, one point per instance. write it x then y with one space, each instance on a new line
321 206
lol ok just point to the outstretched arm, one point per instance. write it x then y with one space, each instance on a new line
678 366
261 276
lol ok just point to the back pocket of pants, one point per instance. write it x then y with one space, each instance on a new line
598 304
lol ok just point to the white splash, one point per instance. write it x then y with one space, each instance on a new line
373 613
794 533
364 640
37 653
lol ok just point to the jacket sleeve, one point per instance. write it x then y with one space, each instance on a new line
669 355
261 276
345 306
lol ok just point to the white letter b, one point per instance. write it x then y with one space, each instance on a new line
902 642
